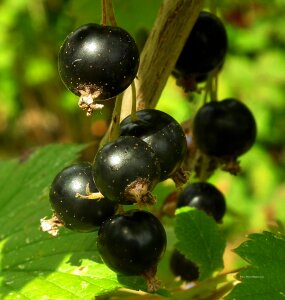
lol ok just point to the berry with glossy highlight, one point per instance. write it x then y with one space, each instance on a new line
76 213
203 196
98 61
205 48
224 128
132 243
126 170
162 133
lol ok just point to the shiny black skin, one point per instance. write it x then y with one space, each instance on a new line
132 243
78 214
99 57
205 48
183 267
203 196
224 128
121 162
162 133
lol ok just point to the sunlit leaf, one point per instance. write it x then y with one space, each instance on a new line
199 240
265 277
35 265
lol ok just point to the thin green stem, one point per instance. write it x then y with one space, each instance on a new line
213 6
110 13
207 89
114 128
216 79
104 12
211 91
134 102
211 87
115 123
203 176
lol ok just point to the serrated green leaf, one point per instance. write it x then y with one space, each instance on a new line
265 277
35 265
199 240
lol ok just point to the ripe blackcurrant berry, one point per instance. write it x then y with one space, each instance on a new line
98 62
183 267
203 196
205 48
126 170
224 129
77 213
162 133
132 243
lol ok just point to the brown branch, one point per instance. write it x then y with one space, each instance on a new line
163 46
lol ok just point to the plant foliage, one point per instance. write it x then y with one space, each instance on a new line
33 264
264 278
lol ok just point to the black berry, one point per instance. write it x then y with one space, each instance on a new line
204 196
98 62
74 212
126 170
163 134
205 48
224 129
132 243
183 267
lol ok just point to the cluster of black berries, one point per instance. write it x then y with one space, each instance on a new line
150 149
221 130
99 62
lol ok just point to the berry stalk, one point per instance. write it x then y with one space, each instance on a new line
134 102
108 15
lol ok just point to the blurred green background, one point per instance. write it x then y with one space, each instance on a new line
36 109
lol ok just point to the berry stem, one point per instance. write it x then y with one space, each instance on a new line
115 124
104 13
203 176
110 13
207 88
213 6
113 131
211 88
214 85
134 102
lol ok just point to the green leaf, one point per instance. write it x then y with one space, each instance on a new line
199 240
265 277
35 265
